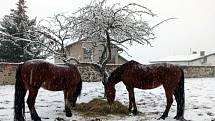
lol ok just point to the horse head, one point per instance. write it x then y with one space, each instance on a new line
110 94
110 91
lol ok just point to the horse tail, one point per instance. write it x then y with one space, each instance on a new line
20 91
180 95
78 89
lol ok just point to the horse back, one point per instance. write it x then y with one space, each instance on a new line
37 73
63 77
151 76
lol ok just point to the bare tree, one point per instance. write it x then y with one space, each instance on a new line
117 24
57 32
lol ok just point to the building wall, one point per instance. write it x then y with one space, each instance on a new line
76 50
89 72
182 63
196 62
211 60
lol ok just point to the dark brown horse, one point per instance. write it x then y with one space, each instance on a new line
136 75
33 74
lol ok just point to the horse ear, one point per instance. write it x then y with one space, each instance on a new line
104 83
66 62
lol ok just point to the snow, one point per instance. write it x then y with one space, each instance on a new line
199 105
50 59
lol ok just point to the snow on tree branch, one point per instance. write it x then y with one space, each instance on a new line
99 23
124 24
57 32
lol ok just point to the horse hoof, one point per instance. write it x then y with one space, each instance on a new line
129 110
180 118
162 118
68 114
134 112
19 118
59 119
177 117
37 119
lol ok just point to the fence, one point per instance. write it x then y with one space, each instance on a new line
89 72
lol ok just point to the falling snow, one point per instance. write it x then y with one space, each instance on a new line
199 105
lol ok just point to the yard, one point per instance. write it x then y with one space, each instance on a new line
199 105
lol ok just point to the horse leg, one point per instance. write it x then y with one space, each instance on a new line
31 104
180 105
169 99
132 100
68 102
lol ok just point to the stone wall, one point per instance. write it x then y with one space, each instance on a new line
7 73
89 72
199 71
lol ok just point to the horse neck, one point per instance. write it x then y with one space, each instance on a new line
113 82
116 77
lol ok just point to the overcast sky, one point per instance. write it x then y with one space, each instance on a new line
193 30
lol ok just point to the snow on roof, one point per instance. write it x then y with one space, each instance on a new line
177 58
50 59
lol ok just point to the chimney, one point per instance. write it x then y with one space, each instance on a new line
194 52
202 53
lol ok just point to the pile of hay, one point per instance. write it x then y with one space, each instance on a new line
99 107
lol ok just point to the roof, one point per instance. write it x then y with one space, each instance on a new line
181 58
122 58
74 42
77 41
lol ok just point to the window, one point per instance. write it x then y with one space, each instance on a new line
204 60
87 53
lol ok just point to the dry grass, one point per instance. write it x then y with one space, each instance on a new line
99 107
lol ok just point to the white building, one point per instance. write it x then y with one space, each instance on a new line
189 60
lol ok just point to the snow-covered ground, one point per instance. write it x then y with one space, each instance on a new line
200 102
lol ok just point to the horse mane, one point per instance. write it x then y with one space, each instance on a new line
116 74
127 64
